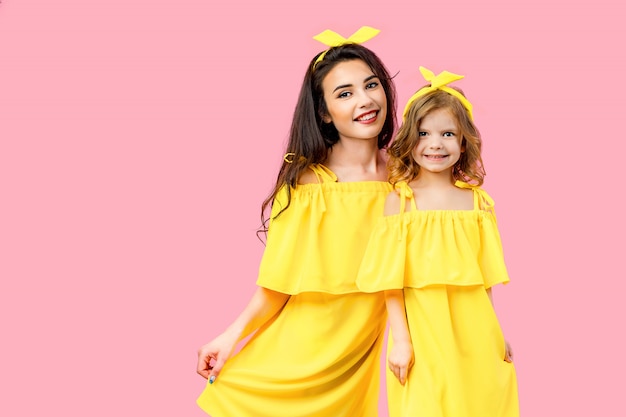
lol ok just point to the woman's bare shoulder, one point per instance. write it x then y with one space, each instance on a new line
308 177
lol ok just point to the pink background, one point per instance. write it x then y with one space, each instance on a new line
138 139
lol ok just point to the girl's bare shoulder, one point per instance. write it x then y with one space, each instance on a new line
392 203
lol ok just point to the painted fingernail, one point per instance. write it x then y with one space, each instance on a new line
211 379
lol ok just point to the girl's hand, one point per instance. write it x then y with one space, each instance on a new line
401 360
508 352
213 355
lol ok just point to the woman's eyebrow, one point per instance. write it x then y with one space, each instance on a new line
350 85
342 86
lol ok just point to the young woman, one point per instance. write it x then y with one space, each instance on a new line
317 341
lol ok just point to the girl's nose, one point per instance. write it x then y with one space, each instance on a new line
435 144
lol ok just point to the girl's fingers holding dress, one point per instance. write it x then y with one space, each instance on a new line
508 352
402 375
397 372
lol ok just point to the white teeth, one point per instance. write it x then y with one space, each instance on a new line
368 116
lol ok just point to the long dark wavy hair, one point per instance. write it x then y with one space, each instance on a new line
310 138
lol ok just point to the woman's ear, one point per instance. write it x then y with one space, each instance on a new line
326 119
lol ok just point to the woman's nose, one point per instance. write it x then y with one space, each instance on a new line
364 99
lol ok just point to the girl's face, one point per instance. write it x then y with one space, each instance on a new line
355 101
440 143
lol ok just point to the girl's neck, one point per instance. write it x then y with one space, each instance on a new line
433 180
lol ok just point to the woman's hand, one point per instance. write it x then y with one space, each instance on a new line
213 355
263 305
401 360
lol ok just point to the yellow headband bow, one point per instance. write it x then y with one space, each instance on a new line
332 39
439 82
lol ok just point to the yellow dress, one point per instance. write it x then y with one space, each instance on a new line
320 356
444 260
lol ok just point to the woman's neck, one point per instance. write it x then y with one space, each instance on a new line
357 160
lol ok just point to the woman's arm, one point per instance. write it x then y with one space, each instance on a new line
263 305
400 357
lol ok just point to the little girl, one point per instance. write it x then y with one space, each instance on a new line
436 254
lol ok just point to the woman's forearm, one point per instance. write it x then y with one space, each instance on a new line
263 305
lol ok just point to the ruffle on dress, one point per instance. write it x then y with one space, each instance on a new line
419 248
318 242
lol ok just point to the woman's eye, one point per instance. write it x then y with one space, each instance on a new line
372 85
344 94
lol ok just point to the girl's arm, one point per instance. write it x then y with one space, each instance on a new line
263 305
400 357
508 351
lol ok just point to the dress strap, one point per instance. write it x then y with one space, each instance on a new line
322 173
482 200
405 192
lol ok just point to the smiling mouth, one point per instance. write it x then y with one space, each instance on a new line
436 156
367 116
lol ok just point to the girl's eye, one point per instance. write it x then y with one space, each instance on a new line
344 94
421 134
449 134
373 84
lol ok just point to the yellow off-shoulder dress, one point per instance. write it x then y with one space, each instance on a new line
320 356
445 260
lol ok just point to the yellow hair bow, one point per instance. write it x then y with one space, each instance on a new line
439 82
332 39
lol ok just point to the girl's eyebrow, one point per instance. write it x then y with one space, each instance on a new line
350 85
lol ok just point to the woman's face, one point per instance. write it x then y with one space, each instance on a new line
355 100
